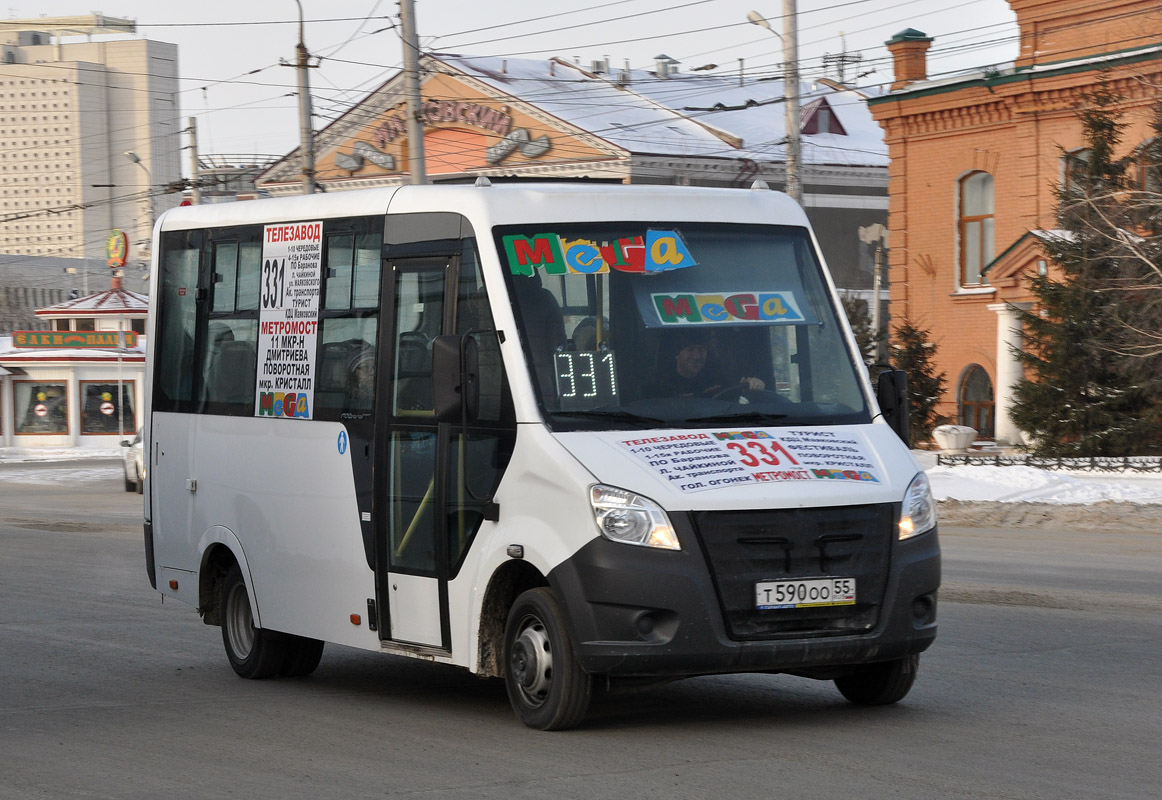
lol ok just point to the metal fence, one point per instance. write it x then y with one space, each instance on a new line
1094 464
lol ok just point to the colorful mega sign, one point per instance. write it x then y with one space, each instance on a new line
657 251
686 308
71 339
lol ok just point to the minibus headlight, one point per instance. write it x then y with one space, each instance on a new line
628 518
919 512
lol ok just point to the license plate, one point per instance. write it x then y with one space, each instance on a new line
808 593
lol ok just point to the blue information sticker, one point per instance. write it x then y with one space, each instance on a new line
342 442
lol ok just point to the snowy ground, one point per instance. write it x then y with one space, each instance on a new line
1021 497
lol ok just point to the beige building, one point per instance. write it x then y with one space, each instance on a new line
71 109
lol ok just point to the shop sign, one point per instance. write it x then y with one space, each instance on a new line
455 112
73 339
116 249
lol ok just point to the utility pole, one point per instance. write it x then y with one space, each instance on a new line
411 83
793 183
195 181
306 135
791 93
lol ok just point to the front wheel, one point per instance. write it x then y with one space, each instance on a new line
253 652
546 685
880 684
302 656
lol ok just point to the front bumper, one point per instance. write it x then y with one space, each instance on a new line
635 611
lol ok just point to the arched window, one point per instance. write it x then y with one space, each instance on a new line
976 226
976 401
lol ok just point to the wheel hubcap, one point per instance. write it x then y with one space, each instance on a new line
532 662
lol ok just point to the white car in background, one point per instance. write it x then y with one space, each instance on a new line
134 463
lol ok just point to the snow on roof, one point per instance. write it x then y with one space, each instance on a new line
110 301
682 115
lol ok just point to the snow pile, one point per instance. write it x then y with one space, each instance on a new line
1031 485
70 477
987 483
10 455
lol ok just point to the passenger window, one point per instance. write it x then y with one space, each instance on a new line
230 363
340 259
177 318
225 275
249 267
419 311
346 374
352 271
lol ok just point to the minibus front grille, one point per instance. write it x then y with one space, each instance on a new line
743 548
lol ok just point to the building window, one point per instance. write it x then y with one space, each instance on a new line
100 411
1075 168
40 407
976 406
1149 164
976 226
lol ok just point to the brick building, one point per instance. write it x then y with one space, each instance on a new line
976 160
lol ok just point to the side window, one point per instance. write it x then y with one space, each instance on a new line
349 317
482 452
976 226
473 314
177 309
229 341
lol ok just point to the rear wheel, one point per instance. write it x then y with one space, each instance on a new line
880 684
253 652
546 685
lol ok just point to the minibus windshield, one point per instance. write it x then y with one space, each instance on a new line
678 324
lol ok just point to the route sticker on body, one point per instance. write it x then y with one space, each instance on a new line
695 461
291 282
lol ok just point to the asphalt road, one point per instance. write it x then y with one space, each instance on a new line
1043 683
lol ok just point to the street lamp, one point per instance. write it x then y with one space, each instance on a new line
789 39
136 159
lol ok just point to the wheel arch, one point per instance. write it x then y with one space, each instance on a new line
220 550
507 583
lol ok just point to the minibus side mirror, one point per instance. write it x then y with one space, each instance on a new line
892 395
455 378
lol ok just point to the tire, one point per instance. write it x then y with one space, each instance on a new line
302 656
253 652
880 684
139 485
546 685
130 485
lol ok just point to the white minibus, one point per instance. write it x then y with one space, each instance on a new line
574 436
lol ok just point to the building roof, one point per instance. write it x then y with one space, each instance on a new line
684 114
110 302
627 113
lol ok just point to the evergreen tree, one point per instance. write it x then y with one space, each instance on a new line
860 320
1083 395
914 352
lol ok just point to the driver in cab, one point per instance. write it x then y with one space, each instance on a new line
694 372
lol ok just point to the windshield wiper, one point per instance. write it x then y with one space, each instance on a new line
744 416
614 415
